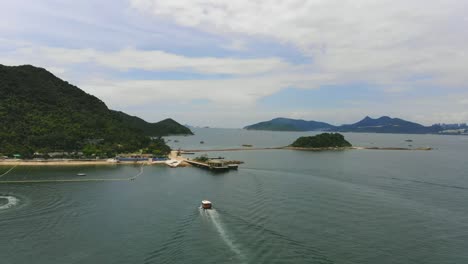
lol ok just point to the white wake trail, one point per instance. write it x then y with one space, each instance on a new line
8 171
12 201
214 216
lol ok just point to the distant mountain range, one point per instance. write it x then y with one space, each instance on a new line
383 124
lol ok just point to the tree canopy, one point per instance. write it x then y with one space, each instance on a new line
324 140
42 113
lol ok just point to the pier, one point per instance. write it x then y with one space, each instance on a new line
213 165
227 149
198 164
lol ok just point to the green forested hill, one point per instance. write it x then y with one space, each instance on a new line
41 113
162 128
324 140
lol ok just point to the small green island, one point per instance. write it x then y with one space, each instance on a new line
321 142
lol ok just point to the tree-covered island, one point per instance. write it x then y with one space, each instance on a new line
322 141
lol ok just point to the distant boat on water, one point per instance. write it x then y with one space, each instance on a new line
206 204
247 145
202 142
173 163
81 174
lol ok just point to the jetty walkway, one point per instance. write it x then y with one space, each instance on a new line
228 149
197 164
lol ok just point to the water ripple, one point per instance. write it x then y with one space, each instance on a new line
172 248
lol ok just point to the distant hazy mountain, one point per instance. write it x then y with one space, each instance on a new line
287 124
383 124
387 124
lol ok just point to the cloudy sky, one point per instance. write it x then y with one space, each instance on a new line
230 63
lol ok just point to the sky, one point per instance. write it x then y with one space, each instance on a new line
231 63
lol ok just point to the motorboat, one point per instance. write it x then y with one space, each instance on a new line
206 204
173 163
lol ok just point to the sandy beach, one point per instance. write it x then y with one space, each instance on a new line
173 156
54 162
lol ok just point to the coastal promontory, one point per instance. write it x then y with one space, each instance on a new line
40 114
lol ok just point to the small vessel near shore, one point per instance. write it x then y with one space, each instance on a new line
247 145
81 174
173 163
206 204
217 165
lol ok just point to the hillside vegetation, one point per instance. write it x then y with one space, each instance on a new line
162 128
325 140
42 113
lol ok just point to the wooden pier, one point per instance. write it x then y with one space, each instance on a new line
207 166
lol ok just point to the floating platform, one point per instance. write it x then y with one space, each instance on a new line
213 166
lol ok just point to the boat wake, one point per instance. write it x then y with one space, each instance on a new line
8 171
11 201
213 215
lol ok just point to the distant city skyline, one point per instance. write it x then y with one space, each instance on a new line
234 63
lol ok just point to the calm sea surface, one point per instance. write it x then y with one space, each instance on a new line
281 206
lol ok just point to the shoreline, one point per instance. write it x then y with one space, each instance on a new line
70 162
358 148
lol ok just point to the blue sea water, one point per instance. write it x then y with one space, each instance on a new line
281 206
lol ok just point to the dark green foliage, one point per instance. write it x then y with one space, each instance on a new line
163 128
41 113
325 140
202 158
158 148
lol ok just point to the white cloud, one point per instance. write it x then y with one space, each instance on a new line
384 43
236 45
378 41
233 92
151 60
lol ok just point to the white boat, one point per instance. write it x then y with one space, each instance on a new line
81 174
206 204
173 163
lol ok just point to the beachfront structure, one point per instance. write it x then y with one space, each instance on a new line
216 164
134 157
139 157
